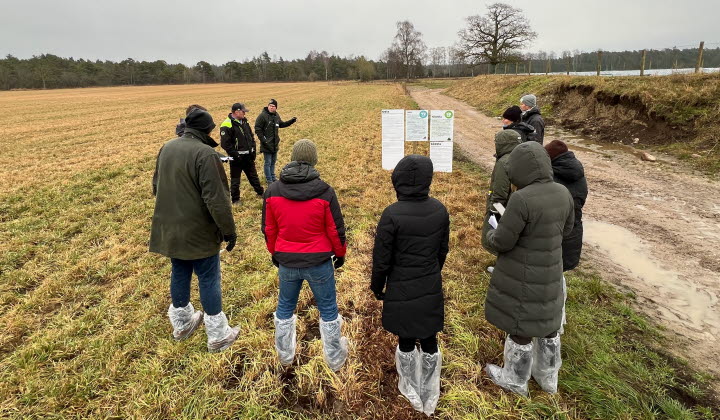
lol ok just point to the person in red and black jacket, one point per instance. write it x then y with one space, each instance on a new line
305 233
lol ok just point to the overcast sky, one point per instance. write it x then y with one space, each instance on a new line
219 31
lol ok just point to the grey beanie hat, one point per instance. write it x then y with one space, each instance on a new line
529 100
306 151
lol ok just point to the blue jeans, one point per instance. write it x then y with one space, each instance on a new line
208 273
321 279
269 166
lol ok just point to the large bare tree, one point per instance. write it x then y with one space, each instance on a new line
409 44
496 36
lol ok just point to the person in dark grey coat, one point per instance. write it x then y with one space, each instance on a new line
525 296
411 245
512 120
531 116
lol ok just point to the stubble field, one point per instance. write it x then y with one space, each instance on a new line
82 303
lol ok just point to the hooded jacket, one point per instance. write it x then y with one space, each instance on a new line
411 245
301 218
568 171
533 118
192 199
500 186
525 296
525 130
267 129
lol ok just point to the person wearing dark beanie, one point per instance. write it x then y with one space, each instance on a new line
556 148
200 120
511 119
267 129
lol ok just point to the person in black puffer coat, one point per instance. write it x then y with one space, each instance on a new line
511 120
411 245
568 171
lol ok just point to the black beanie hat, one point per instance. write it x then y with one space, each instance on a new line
272 102
555 148
200 120
514 113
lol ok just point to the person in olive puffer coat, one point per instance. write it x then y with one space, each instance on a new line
500 186
267 129
525 297
411 245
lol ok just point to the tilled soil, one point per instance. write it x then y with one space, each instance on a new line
650 227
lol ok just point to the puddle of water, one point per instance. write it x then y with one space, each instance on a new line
683 299
582 143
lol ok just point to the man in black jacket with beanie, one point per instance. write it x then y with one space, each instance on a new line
236 137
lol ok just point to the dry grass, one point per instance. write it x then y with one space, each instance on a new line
83 303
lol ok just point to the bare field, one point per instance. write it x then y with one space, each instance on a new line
82 302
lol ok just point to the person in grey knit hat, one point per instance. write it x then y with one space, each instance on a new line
531 115
304 151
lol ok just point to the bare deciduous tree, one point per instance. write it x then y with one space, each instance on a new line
495 36
438 59
409 43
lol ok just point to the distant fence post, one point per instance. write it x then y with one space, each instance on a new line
698 66
599 63
517 65
529 67
505 68
642 63
547 67
567 65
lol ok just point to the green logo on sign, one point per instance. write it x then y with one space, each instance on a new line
423 114
448 114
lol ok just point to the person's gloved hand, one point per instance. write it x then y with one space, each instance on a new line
293 119
275 262
379 295
230 239
338 262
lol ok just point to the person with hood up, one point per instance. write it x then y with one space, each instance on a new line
500 186
305 234
192 217
411 245
267 129
568 171
531 115
525 296
511 120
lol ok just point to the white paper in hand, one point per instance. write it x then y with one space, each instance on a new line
500 208
493 221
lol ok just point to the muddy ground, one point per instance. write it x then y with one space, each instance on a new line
650 228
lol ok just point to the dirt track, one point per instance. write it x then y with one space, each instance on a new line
653 228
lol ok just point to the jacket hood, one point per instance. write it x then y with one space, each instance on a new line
531 111
505 142
206 139
567 167
529 163
300 182
521 126
412 177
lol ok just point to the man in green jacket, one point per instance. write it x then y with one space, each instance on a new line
192 217
525 297
267 127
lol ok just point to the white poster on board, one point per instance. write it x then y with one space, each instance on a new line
441 154
441 125
393 137
416 125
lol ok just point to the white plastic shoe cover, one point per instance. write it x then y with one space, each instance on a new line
285 339
546 363
335 346
515 373
180 318
409 367
564 289
430 381
217 327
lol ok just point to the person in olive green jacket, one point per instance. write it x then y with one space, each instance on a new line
192 217
500 187
267 128
525 297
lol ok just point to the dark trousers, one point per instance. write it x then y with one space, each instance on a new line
428 345
526 340
237 167
208 273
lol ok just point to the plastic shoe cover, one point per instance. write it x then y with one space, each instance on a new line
546 363
184 320
430 381
515 373
220 335
409 368
335 346
285 339
562 324
490 269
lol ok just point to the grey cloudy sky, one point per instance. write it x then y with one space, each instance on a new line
223 30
